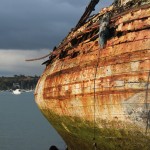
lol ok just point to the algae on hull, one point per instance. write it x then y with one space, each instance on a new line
78 134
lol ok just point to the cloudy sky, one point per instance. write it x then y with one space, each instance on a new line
31 28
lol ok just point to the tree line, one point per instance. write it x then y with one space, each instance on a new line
18 81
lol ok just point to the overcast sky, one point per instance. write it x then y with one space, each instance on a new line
31 28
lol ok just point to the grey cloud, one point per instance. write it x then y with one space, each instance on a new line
36 24
75 3
16 64
27 26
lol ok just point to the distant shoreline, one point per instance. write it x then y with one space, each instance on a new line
18 81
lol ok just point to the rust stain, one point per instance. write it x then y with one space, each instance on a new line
119 70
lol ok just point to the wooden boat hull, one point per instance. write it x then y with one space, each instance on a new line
101 95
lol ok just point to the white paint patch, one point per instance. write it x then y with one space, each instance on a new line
134 66
66 87
108 71
123 2
119 83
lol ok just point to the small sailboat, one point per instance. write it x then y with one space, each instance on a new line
16 91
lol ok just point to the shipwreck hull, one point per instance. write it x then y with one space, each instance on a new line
101 95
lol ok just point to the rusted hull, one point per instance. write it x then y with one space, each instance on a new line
102 93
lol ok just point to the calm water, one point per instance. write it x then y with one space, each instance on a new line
22 126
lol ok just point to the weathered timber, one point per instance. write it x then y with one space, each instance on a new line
91 92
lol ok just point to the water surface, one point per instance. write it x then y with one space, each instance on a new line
23 127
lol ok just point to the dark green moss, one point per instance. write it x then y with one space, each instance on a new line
78 134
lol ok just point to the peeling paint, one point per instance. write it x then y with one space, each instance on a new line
106 85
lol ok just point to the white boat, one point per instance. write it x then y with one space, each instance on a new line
17 91
29 91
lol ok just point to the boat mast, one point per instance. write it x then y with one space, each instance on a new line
86 14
